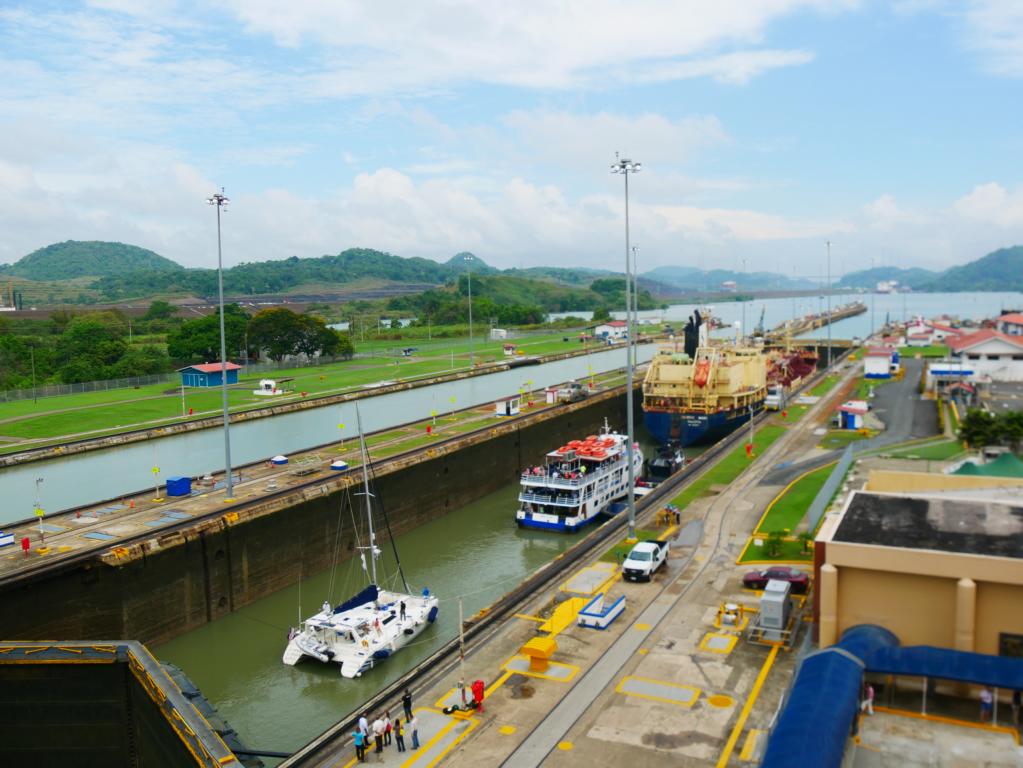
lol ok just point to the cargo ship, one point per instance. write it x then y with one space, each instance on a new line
696 392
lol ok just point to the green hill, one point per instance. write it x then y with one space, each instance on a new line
1001 270
93 258
914 277
693 279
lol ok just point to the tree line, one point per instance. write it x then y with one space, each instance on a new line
71 348
980 428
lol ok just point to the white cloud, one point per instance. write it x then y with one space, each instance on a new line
886 213
993 204
995 28
371 47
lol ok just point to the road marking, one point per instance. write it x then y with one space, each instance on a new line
750 701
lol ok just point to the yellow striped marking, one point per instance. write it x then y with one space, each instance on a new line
952 721
747 708
749 747
529 618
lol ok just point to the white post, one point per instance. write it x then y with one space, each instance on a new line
461 653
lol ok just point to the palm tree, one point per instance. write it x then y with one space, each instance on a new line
774 541
806 539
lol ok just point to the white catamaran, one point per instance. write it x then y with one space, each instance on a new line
577 482
369 627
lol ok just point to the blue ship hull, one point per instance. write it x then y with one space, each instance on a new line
695 428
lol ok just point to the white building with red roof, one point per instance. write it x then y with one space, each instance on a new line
612 329
1011 324
991 354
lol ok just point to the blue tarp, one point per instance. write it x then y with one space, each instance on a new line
814 726
927 661
368 595
817 719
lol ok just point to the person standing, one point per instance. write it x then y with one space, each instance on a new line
378 735
868 700
360 745
402 612
399 734
406 702
987 701
364 726
387 728
413 725
1015 707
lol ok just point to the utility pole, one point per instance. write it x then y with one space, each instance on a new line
828 359
220 200
625 166
32 355
468 272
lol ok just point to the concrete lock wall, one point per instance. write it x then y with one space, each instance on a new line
205 572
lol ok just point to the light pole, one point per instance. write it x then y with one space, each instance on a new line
873 292
828 280
625 166
468 272
744 300
220 200
635 307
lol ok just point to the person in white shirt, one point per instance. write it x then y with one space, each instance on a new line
378 735
413 727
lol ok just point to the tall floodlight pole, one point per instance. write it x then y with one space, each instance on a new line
635 305
828 281
625 166
873 292
220 200
744 300
468 272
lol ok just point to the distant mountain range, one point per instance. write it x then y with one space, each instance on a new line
914 277
1001 270
112 271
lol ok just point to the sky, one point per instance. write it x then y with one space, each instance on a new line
765 128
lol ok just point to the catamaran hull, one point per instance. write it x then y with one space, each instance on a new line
695 428
327 645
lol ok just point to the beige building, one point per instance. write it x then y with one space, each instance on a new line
939 563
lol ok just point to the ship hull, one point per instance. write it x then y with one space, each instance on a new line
696 428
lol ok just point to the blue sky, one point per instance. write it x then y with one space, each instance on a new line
765 128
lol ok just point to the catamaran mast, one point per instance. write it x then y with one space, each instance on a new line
369 507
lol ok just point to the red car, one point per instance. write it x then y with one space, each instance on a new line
758 579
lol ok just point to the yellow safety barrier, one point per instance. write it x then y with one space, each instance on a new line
539 650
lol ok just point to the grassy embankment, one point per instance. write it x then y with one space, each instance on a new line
55 419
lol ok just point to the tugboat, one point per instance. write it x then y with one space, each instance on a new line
577 482
370 626
669 460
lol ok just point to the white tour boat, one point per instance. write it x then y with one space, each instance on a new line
369 627
577 482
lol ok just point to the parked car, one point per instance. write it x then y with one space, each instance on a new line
758 579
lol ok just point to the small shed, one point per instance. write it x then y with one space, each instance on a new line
507 406
498 334
877 362
613 329
208 374
550 395
851 413
267 388
509 350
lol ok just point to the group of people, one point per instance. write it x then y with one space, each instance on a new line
382 731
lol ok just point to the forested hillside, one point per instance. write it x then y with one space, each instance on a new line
93 258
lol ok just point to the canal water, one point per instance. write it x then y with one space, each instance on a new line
476 553
77 480
896 306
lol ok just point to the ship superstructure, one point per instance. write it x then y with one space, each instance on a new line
696 391
577 482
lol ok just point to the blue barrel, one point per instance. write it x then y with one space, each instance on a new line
179 486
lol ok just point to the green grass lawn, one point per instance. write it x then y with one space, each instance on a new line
618 552
824 386
786 511
791 551
730 467
941 451
934 350
840 438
